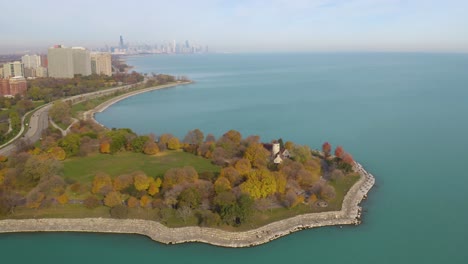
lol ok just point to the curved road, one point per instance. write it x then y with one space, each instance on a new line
39 122
40 119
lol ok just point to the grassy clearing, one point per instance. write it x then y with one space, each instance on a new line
83 169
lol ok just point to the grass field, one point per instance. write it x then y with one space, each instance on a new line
83 169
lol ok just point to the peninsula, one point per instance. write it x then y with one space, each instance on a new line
231 191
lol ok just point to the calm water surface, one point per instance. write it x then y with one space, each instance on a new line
404 116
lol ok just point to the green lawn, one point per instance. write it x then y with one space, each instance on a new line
83 169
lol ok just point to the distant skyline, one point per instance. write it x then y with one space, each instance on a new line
239 26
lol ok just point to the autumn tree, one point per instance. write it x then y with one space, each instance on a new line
122 182
102 183
232 175
104 147
145 201
326 148
257 155
222 184
132 202
141 181
194 137
150 148
60 112
347 158
339 152
259 184
154 186
62 199
175 176
173 143
57 153
243 166
113 199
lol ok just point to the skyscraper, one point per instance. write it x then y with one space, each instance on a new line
81 61
60 61
13 69
31 61
101 63
121 43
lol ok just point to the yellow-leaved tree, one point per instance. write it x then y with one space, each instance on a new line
154 186
259 184
141 181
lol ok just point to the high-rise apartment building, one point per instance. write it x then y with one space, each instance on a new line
81 61
60 60
101 63
31 61
13 69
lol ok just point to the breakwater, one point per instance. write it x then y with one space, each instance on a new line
348 215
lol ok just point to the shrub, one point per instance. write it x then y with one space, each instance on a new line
91 202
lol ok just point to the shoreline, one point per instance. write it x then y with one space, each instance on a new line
89 115
349 214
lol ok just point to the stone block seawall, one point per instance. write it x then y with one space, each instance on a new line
349 214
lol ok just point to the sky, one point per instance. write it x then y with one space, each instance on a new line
239 26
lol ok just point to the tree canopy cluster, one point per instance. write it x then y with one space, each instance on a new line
248 181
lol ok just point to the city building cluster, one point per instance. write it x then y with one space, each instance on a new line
60 62
167 47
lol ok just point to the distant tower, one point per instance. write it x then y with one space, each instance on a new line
121 44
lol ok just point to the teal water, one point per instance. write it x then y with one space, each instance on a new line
403 116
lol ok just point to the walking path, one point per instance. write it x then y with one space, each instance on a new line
349 214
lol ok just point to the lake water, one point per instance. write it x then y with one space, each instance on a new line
403 116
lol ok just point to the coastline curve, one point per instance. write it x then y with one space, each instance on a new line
349 214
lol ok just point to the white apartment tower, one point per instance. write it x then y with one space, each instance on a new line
60 61
31 61
101 63
81 61
13 69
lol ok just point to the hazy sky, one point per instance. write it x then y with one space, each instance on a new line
242 25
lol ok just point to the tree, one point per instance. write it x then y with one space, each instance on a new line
104 147
122 182
189 197
102 183
60 112
132 202
173 143
58 153
62 199
222 185
234 136
243 166
113 199
141 181
339 151
145 201
138 143
326 148
154 186
71 144
257 155
259 184
232 175
39 168
151 148
348 159
194 137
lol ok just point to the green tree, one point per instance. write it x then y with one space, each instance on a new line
71 144
189 197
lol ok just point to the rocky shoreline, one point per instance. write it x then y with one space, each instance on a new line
349 214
